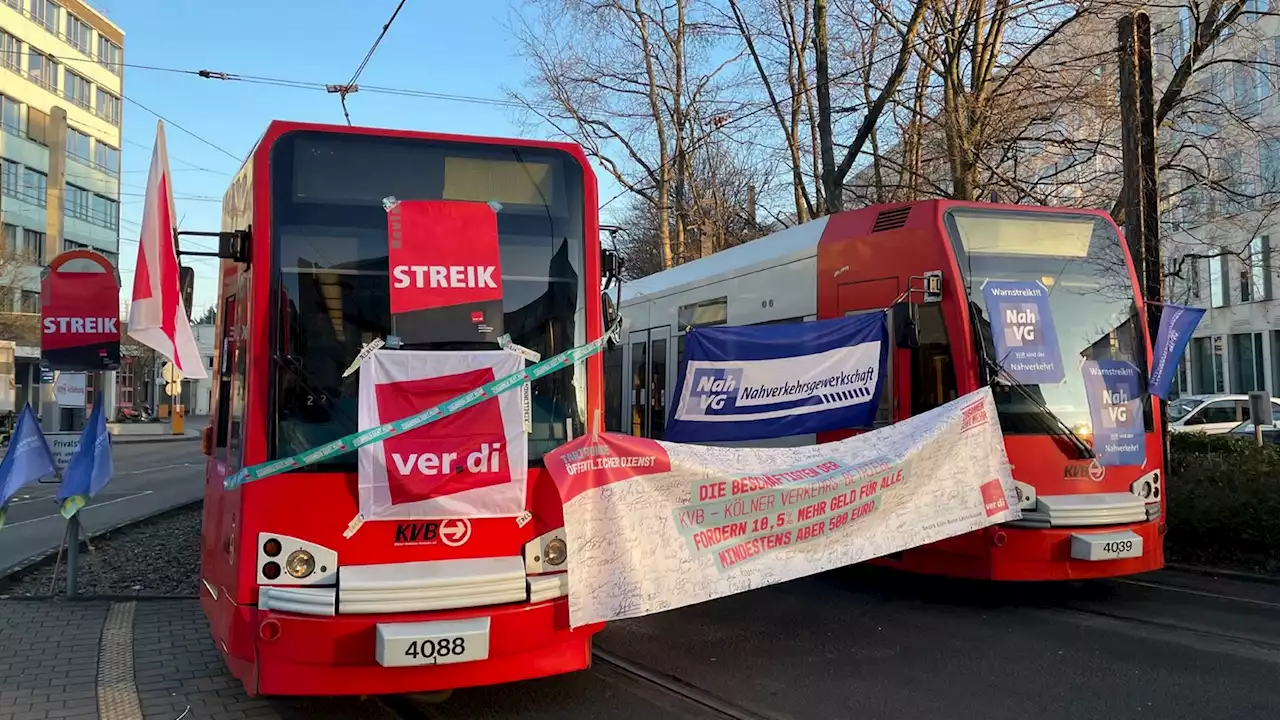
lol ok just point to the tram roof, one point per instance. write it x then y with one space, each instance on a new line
794 243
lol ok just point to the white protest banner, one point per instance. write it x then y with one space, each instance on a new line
654 525
473 463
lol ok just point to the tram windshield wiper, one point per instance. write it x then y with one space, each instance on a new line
1046 416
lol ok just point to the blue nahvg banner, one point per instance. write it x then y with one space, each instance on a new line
1114 389
1022 328
757 382
1177 322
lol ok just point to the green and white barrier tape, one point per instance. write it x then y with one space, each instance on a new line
354 441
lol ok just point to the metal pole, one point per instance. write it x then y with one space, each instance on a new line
73 556
55 192
1141 191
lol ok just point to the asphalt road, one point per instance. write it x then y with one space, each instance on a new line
148 477
859 643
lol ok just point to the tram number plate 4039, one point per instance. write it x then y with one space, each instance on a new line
432 643
1106 546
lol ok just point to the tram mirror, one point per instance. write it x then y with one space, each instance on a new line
905 329
610 315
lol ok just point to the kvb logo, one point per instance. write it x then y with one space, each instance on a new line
715 390
459 452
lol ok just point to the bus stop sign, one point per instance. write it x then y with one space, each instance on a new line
80 313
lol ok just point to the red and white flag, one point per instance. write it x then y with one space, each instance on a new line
157 317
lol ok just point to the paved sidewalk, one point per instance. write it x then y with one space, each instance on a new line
148 660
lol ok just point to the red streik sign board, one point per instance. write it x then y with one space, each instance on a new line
80 313
443 254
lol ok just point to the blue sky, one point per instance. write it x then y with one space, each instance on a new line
451 47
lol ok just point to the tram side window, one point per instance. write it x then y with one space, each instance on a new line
933 376
225 353
613 389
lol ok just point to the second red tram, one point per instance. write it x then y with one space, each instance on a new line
928 263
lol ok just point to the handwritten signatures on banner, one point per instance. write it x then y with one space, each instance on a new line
744 518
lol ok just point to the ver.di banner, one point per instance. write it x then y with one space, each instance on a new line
472 463
654 525
748 383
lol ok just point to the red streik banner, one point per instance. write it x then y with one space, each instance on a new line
80 313
443 254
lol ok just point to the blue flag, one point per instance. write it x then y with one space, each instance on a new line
771 381
27 460
1177 322
90 468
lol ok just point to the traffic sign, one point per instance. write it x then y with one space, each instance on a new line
171 373
79 313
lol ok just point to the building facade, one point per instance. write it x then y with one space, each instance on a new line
56 53
1222 213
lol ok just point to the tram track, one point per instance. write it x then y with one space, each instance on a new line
680 698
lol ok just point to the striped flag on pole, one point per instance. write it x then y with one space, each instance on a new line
157 317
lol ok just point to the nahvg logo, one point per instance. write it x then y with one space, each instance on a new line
457 453
443 254
715 390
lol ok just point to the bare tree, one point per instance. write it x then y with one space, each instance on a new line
636 84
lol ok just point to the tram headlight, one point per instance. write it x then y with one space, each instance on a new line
300 564
547 553
556 552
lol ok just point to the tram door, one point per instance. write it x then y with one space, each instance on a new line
647 360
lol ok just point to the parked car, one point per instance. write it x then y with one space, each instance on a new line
1270 433
1213 414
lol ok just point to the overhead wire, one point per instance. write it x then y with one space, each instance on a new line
344 90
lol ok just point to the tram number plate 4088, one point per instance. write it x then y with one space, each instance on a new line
432 643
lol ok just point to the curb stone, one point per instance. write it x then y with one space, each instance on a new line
39 557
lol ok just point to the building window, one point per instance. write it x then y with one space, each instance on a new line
124 383
1246 363
106 158
48 14
10 174
10 52
106 212
109 55
9 238
11 115
42 70
35 186
37 126
29 302
78 145
32 247
1238 183
1260 268
1269 159
77 89
1219 281
77 203
79 34
108 107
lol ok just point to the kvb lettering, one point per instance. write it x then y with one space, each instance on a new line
715 391
485 460
444 276
1022 322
